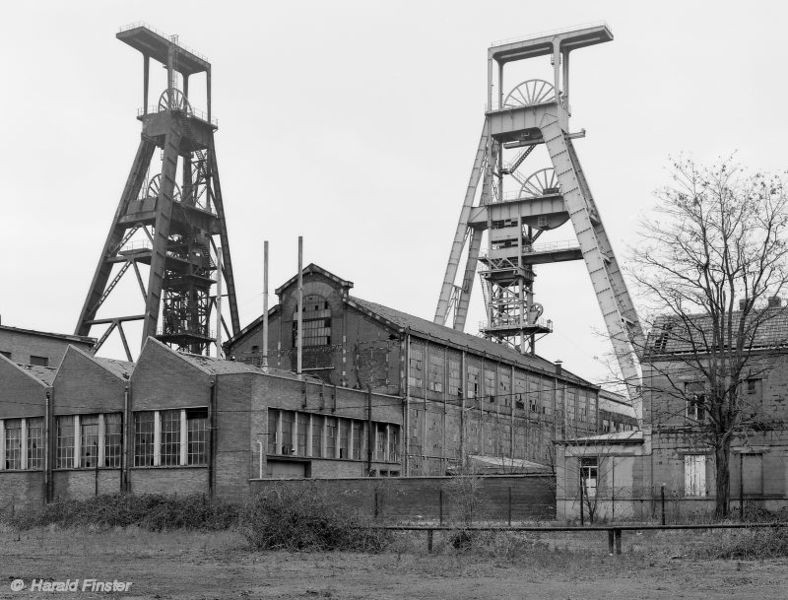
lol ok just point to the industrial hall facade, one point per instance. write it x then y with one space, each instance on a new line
464 398
180 423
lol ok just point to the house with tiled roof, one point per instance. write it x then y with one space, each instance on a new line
626 474
676 412
461 395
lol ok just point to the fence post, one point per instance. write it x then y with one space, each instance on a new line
741 486
662 501
375 501
582 513
429 540
510 507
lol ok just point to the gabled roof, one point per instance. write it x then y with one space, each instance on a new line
60 336
441 333
399 320
119 368
43 376
670 335
215 366
313 268
258 322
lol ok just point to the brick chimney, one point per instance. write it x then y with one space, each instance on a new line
775 302
559 368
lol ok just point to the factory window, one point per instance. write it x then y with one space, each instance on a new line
358 439
455 377
197 436
88 436
40 361
393 444
317 436
331 437
589 475
489 383
696 401
505 388
571 404
273 419
287 418
473 381
170 437
303 429
143 439
35 443
255 349
113 439
13 444
695 475
380 442
437 368
344 437
416 363
316 322
65 443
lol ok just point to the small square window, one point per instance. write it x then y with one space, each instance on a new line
39 361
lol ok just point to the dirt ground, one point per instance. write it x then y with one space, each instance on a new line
201 566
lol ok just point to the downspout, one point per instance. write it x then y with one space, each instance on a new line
370 433
463 382
48 452
124 456
212 438
406 419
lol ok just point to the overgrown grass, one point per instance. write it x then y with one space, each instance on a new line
283 518
748 544
148 511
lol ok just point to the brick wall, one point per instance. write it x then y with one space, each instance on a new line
232 466
169 480
84 387
419 498
21 490
82 483
21 394
22 345
163 380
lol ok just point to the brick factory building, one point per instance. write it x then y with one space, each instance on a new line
384 394
180 423
461 395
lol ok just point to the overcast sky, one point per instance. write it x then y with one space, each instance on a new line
355 124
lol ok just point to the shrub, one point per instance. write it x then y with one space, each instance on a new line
771 542
149 511
283 518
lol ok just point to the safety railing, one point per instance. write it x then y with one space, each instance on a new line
508 324
614 532
535 249
549 32
136 245
178 43
193 112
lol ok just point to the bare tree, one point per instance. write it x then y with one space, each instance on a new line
710 262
